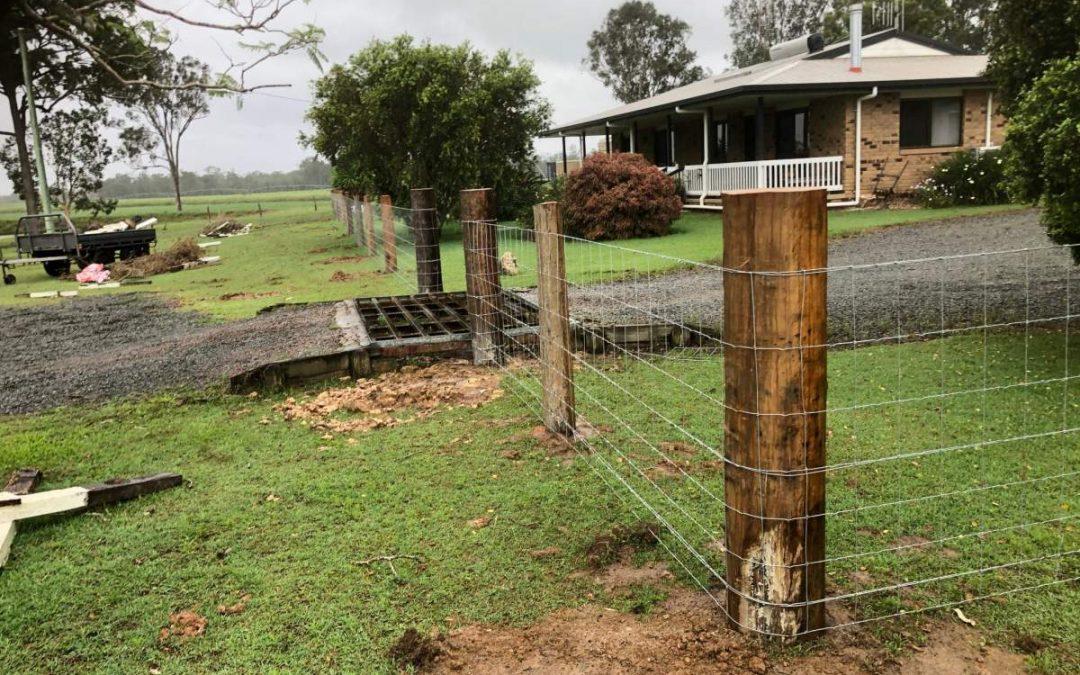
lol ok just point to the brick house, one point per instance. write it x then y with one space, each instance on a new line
794 120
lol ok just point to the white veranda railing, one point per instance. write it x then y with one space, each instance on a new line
712 179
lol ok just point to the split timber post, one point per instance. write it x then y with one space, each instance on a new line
556 359
482 288
369 225
389 243
348 206
775 253
425 230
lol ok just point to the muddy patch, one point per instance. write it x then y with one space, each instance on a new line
414 649
687 634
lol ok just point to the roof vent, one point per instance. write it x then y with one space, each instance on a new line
804 44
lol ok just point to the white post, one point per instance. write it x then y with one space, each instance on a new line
989 117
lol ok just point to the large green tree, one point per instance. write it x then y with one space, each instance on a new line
403 115
78 153
90 51
1035 58
756 25
638 52
963 23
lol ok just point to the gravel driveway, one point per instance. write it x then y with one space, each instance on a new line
873 298
91 349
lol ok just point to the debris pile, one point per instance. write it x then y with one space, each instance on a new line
133 223
425 391
226 228
170 260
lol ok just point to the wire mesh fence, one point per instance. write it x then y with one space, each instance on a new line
406 239
951 430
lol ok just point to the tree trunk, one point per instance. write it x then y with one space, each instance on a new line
18 124
174 171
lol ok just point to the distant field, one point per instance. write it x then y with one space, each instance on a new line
297 248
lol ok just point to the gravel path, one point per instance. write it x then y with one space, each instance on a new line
91 349
878 301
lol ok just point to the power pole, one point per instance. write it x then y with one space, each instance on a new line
39 158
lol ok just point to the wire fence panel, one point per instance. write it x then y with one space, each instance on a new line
953 431
391 232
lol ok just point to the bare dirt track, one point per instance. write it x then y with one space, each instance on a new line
92 349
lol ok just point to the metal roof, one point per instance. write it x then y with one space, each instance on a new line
804 73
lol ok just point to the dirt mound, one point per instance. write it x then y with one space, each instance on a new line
687 634
371 403
169 260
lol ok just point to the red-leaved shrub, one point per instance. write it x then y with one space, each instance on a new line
619 196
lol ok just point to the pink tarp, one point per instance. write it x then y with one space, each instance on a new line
95 273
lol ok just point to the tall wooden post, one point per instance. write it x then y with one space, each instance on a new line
425 230
369 224
349 204
556 359
482 288
389 243
775 380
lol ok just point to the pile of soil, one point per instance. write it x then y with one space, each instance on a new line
169 260
371 403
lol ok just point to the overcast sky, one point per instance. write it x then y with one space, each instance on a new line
262 134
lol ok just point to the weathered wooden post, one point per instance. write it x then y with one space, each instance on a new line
425 229
389 243
556 359
775 252
482 287
369 224
347 205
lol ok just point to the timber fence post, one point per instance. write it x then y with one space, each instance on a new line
556 359
425 230
775 314
348 207
389 240
482 287
369 225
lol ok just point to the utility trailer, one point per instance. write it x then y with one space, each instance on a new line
55 250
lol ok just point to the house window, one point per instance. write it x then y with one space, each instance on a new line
930 122
722 137
792 139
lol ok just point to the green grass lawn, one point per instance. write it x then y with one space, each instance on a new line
296 249
91 593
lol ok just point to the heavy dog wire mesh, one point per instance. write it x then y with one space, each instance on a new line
953 429
394 234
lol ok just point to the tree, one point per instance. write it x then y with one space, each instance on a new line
78 154
1035 58
1025 38
167 114
402 115
638 52
963 23
756 25
92 50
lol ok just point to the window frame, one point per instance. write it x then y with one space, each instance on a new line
793 112
929 101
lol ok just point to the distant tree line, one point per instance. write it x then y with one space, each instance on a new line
312 172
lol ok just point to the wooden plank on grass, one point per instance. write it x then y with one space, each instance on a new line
23 481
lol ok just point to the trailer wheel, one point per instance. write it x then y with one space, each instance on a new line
57 268
9 279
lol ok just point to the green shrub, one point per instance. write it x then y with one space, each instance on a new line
1042 150
968 177
619 196
546 191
